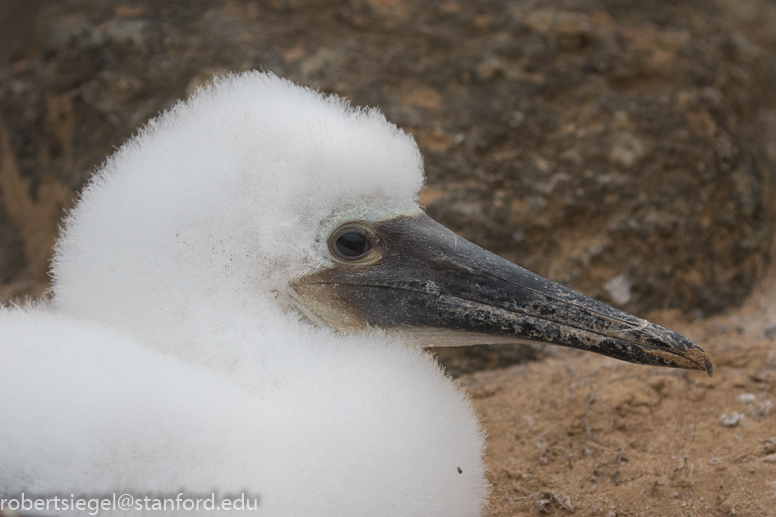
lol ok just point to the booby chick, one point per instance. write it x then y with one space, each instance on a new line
239 304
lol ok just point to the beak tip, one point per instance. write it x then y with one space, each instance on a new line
692 358
709 367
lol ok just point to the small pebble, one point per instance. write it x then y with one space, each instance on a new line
730 420
746 398
760 410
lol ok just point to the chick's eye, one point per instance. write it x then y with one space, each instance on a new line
352 245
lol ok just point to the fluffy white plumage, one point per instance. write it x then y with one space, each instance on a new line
171 358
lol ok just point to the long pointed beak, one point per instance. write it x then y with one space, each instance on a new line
430 282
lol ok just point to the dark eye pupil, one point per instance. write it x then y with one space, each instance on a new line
353 245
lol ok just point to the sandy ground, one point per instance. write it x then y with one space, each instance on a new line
582 434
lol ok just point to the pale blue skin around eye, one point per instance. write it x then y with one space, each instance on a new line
367 214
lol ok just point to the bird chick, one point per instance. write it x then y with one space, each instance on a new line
239 304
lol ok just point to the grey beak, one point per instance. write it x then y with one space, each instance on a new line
427 277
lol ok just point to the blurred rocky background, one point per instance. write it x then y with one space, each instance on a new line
624 148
